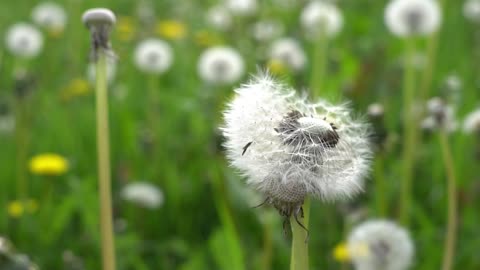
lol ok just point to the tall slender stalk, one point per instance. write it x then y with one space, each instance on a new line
451 237
408 133
103 148
267 252
299 257
21 141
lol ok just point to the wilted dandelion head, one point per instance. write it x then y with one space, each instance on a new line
153 56
267 29
321 17
412 17
471 10
289 148
143 194
24 40
50 16
219 17
471 124
380 245
289 52
220 65
100 22
242 7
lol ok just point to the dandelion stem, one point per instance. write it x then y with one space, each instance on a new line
408 133
450 240
21 140
299 257
380 187
103 148
267 246
319 64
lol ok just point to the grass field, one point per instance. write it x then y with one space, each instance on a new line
164 131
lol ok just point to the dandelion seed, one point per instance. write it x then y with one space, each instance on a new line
471 10
320 17
219 17
220 65
413 17
143 194
297 148
50 16
24 40
380 245
242 7
153 56
48 164
471 124
288 52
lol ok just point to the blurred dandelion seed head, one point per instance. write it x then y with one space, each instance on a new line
220 65
143 194
319 17
48 164
471 124
288 52
153 56
242 7
267 30
50 16
412 17
219 17
471 10
375 110
380 245
24 40
441 116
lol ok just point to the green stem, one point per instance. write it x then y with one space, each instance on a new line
408 134
299 257
428 73
318 65
380 191
450 241
103 148
21 141
267 246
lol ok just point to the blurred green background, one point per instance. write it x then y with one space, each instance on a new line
206 220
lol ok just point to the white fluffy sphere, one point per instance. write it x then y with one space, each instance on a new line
153 56
413 17
219 17
24 40
143 194
50 16
471 124
471 10
289 52
320 16
220 65
242 7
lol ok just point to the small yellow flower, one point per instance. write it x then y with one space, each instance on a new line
277 67
207 39
340 253
55 32
48 164
15 209
171 29
76 88
125 28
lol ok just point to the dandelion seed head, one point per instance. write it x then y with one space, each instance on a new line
153 56
375 110
412 17
471 124
267 30
318 16
220 65
24 40
441 115
380 245
219 17
242 7
143 194
471 10
50 15
288 52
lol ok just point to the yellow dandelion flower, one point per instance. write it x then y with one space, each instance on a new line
55 32
207 39
171 29
76 88
340 253
15 209
48 164
277 67
125 28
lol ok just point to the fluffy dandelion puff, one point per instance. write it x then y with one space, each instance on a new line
380 245
153 56
24 40
412 17
471 10
288 148
289 52
50 16
143 194
471 124
320 16
220 65
219 17
242 7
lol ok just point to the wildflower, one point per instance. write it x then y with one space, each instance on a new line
125 28
289 148
471 10
219 17
143 194
76 88
289 52
320 17
267 30
48 164
17 208
111 70
220 65
440 116
380 245
471 124
276 67
171 29
24 40
412 17
50 16
242 7
153 56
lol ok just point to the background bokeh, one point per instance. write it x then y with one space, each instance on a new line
206 220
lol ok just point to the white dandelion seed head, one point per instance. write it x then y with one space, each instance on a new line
219 17
441 115
143 194
111 71
50 16
267 30
380 245
220 65
289 52
242 7
471 124
471 10
24 40
320 16
413 17
153 56
375 110
453 82
288 148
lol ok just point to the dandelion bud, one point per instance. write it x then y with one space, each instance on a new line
320 17
153 56
412 17
289 53
380 245
220 65
100 22
24 40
